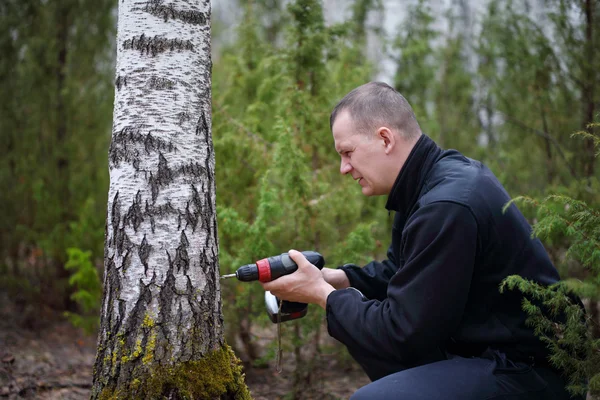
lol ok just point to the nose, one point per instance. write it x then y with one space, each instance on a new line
345 167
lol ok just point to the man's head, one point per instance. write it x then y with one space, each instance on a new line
374 130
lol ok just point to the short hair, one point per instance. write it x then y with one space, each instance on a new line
376 104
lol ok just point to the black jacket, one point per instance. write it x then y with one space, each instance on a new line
452 245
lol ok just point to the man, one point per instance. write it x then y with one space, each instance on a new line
429 322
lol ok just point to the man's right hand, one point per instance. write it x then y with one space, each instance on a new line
336 278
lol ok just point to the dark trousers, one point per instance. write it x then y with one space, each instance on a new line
489 377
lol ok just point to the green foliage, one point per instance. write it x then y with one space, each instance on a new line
88 289
416 65
574 347
277 170
503 94
55 117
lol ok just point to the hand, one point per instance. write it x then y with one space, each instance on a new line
336 278
305 285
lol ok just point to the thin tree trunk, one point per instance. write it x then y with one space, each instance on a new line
61 148
588 97
297 385
161 333
245 331
548 146
589 87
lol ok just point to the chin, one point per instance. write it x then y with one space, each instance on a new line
367 191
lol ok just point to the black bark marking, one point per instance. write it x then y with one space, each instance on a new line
158 9
210 292
126 262
121 81
164 176
183 117
121 146
152 143
153 46
160 211
202 127
159 83
192 210
122 242
190 217
137 314
194 169
153 187
204 262
109 321
144 253
122 308
115 217
165 317
134 216
182 260
215 235
131 334
209 144
198 320
207 215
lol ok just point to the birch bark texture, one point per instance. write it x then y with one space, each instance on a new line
162 302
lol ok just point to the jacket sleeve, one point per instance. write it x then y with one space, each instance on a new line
372 279
425 298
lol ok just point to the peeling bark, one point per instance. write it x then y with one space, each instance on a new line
162 304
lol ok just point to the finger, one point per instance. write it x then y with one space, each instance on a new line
298 258
277 284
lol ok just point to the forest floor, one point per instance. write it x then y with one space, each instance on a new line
55 360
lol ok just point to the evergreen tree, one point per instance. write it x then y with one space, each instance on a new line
575 348
279 185
434 74
539 74
416 63
55 114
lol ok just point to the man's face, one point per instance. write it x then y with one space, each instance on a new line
363 156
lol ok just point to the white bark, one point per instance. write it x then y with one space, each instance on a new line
161 265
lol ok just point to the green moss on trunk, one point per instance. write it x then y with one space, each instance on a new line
218 375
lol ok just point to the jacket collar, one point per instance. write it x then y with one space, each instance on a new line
411 177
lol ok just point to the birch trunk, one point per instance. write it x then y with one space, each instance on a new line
161 332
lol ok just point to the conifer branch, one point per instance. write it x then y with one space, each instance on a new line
257 138
580 223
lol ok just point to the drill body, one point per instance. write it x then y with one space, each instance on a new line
271 268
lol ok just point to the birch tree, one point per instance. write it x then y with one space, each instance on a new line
161 333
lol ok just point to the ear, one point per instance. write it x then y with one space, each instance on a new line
388 139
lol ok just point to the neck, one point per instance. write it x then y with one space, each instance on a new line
403 149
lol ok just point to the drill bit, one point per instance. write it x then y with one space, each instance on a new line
228 276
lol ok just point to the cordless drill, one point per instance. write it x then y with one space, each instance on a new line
269 269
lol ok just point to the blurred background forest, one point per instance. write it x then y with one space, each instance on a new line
505 82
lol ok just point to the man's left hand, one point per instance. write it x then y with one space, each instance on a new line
306 285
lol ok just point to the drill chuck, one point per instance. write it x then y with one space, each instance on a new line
247 273
271 268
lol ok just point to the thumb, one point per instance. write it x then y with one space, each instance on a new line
298 258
